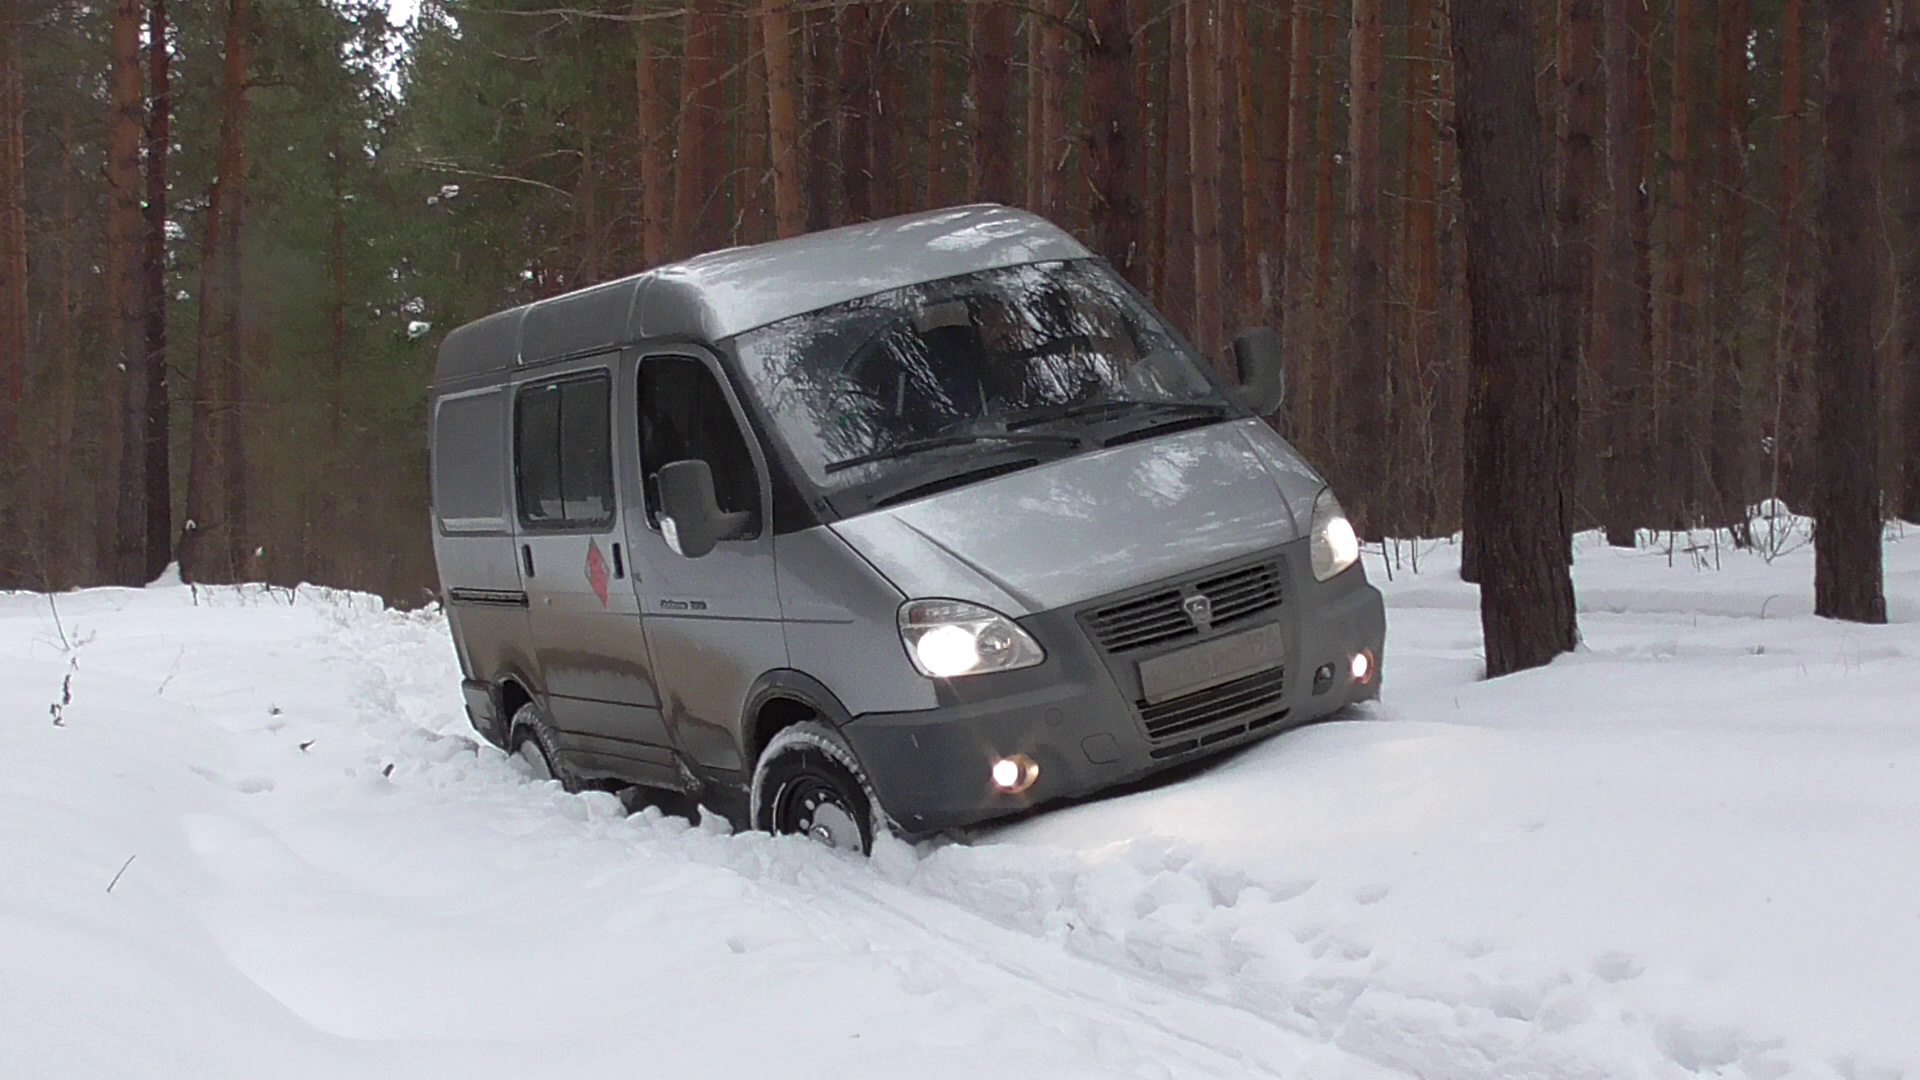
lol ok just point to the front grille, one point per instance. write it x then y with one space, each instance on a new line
1158 617
1190 713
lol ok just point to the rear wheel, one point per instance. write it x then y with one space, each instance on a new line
533 743
808 783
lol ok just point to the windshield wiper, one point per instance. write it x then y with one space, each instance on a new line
1116 408
936 442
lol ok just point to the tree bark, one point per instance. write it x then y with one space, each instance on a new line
1579 188
1628 325
990 175
694 185
936 169
13 273
1847 576
1176 207
1907 184
1256 228
756 222
1730 453
158 445
1113 120
1054 103
1363 389
1203 134
1526 591
651 109
236 323
125 248
202 510
1299 192
855 106
883 163
816 126
789 211
1675 361
1792 447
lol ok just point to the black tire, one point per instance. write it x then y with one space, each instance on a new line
532 740
809 783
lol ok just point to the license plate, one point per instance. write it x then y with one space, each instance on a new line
1211 663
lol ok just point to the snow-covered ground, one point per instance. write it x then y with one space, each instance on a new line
246 833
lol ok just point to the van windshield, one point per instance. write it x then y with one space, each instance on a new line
1045 359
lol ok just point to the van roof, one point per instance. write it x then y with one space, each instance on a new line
723 293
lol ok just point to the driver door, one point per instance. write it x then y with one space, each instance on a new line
713 623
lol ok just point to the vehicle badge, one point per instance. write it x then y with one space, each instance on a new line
1199 608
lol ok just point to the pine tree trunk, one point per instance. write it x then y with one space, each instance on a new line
818 177
1526 591
1054 121
855 106
1793 454
1299 191
1847 547
889 93
1113 121
1363 390
1176 214
1255 227
13 305
651 108
1674 357
990 175
1036 122
1628 326
13 280
693 185
789 211
127 312
936 168
202 426
1907 184
755 145
1321 408
1731 472
159 472
1278 162
1203 134
1579 189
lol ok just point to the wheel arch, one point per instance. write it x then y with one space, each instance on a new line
780 699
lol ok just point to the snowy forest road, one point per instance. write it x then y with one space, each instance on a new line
1686 849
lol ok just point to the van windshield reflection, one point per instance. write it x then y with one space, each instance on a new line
1020 360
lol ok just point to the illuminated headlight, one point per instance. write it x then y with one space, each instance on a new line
949 638
1335 545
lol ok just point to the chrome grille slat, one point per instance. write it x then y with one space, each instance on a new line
1158 617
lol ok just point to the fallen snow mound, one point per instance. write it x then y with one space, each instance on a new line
246 832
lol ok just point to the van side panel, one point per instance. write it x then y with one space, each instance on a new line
841 628
473 534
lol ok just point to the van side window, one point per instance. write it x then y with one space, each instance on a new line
563 452
684 415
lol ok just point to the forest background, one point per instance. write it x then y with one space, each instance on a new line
232 232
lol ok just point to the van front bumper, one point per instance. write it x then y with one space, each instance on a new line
932 768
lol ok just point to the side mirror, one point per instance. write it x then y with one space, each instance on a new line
1263 377
690 515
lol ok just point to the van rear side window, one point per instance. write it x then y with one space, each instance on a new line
563 454
468 495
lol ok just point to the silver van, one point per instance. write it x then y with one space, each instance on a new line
904 525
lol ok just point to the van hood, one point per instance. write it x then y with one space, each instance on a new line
1086 526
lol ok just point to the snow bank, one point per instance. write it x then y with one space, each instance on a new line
1686 849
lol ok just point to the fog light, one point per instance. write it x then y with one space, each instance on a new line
1362 666
1015 774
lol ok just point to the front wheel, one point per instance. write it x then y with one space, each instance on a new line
808 783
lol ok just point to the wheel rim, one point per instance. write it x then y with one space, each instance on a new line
814 808
535 759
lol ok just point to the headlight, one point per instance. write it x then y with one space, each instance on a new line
949 638
1335 545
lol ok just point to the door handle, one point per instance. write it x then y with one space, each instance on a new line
526 558
619 568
